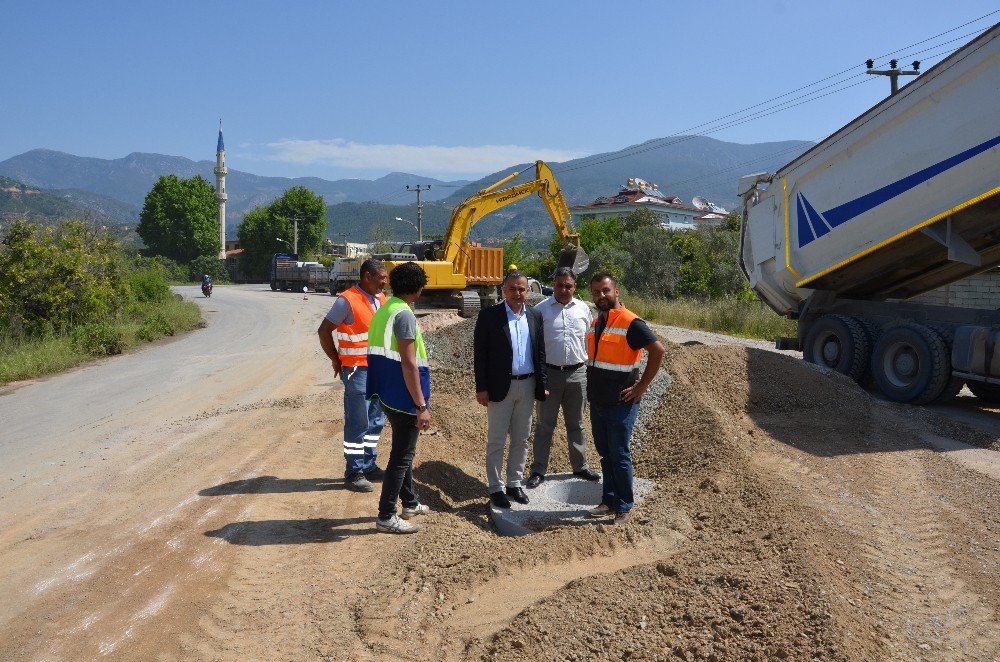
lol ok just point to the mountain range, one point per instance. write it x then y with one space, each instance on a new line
684 166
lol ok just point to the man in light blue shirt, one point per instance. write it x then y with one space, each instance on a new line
520 341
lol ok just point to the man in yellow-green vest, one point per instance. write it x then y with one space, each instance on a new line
399 378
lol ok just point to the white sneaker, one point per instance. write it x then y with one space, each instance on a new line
419 509
395 525
603 510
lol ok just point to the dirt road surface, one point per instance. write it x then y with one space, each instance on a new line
186 502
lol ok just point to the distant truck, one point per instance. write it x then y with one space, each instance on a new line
288 273
901 201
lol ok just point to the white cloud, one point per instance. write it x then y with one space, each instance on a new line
341 153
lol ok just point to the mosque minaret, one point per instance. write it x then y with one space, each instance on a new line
220 191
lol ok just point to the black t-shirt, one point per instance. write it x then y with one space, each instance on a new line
604 388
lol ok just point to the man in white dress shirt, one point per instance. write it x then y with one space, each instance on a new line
565 321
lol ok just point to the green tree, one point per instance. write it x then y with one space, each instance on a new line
694 268
300 203
380 236
258 235
265 229
179 219
655 267
642 219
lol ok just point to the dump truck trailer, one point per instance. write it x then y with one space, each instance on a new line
289 273
901 201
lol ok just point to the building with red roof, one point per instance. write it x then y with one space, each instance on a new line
640 194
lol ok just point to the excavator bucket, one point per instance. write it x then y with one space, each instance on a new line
575 258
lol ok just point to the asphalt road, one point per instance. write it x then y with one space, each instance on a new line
254 341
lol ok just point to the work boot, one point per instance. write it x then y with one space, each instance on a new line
375 474
601 511
358 483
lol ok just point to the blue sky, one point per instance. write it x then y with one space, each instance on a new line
447 89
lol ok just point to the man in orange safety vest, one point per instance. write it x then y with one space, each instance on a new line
343 335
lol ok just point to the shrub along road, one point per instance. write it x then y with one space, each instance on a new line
186 502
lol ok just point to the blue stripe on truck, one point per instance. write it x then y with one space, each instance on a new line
849 210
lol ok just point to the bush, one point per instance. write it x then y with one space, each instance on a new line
147 281
54 278
208 264
155 326
173 271
101 339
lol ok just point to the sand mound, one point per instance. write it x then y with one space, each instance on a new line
710 569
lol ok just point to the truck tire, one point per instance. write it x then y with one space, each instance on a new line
274 286
910 363
950 392
838 342
988 393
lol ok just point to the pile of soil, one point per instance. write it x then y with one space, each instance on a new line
724 560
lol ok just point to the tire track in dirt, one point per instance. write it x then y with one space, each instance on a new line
901 571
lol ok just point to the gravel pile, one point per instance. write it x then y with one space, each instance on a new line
730 584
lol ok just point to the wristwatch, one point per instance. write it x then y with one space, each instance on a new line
421 408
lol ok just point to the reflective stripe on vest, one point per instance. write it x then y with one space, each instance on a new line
352 339
385 367
612 350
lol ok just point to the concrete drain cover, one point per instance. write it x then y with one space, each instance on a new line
563 499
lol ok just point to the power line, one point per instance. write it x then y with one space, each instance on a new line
779 107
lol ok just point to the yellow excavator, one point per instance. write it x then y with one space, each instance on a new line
465 276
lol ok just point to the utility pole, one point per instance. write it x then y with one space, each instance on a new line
894 72
420 208
345 236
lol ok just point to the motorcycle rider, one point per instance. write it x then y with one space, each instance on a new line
206 284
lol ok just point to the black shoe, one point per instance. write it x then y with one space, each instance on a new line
499 499
517 494
587 474
534 481
375 475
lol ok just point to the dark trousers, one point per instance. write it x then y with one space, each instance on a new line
612 429
398 482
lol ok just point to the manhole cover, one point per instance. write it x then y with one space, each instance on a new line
563 499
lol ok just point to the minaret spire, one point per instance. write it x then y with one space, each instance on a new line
220 190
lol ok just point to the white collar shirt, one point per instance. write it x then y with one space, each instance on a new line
520 341
565 330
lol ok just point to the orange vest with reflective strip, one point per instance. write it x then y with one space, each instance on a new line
612 352
352 339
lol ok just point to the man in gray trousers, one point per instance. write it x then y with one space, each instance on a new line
510 376
565 322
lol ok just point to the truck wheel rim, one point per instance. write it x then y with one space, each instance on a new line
831 351
901 365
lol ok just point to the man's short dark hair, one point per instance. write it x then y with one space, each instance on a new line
516 273
407 278
371 266
564 272
601 275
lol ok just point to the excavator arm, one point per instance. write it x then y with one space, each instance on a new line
488 200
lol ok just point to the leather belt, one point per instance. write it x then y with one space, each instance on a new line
565 367
517 378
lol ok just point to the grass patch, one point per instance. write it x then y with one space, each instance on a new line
142 322
747 319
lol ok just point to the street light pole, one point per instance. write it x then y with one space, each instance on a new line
412 225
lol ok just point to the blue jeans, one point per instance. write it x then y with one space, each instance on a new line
612 430
363 422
